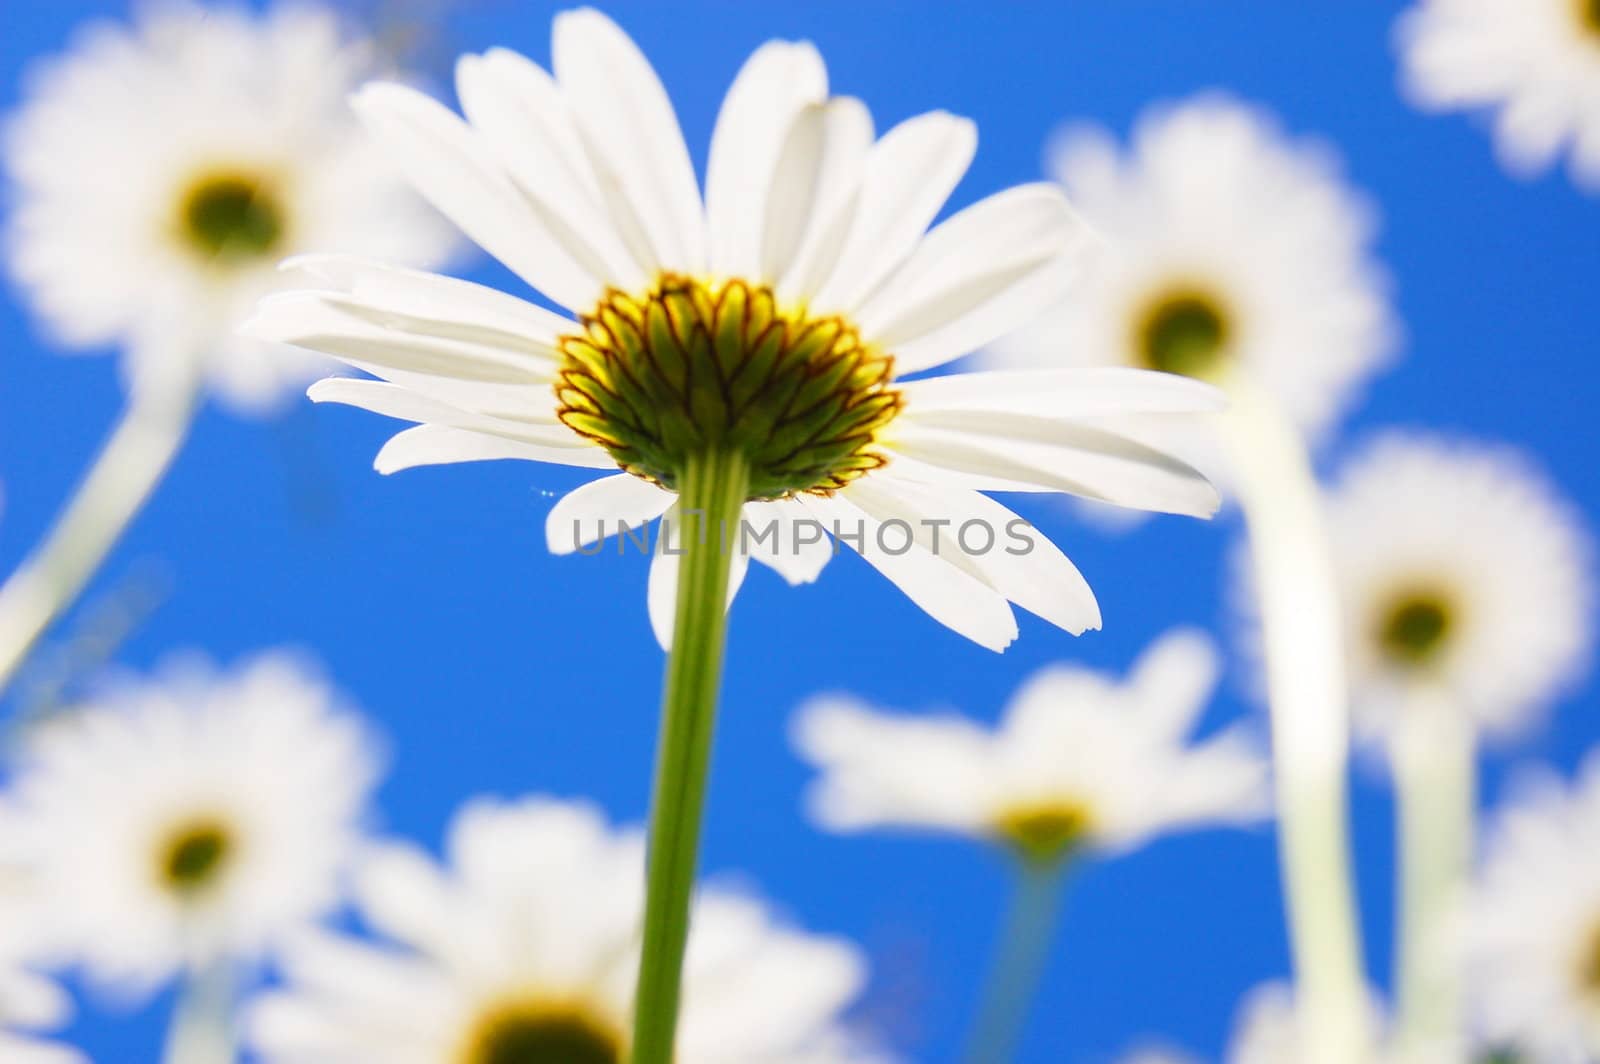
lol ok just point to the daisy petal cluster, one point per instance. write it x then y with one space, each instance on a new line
1534 63
773 318
1533 935
231 146
1463 573
524 947
190 819
1270 1029
1232 252
1080 759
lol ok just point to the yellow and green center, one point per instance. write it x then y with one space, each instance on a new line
692 368
1589 17
1414 627
232 217
1045 832
534 1032
195 857
1183 331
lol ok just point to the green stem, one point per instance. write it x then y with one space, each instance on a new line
1435 782
710 500
1019 962
128 468
202 1020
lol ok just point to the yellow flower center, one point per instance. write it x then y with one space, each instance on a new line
1589 17
692 367
535 1032
1415 626
231 217
1184 330
1045 832
195 856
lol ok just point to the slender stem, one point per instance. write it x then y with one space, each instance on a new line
1435 782
1306 688
711 495
1019 962
202 1020
128 468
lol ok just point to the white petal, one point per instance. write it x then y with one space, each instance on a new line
987 271
791 542
1095 391
594 511
442 445
1174 678
527 124
632 134
1020 452
814 195
777 81
439 155
391 400
908 176
662 592
989 541
950 595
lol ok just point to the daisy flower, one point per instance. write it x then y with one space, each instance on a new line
1080 759
758 335
1233 253
1463 573
1533 936
524 948
1270 1028
1535 63
190 820
231 147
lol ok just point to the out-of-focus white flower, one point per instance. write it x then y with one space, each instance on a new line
190 819
526 948
1269 1029
162 171
772 319
1231 252
29 1003
1464 574
1081 759
1535 63
1533 932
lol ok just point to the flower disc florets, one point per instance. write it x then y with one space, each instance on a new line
692 367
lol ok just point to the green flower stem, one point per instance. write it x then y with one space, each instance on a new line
1302 636
711 495
202 1021
1435 783
1019 961
128 468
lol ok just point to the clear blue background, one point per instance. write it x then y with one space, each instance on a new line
493 667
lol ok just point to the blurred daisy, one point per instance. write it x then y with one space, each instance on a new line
525 949
30 1003
1536 63
1080 760
1269 1029
192 819
765 328
1463 573
231 146
1234 254
1534 929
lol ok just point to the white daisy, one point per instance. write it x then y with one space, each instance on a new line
1463 573
1535 63
1534 929
1270 1028
524 950
1080 759
161 171
191 819
1233 253
769 325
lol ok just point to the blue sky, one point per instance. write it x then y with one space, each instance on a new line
493 667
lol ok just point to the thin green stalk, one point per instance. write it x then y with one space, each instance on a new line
1435 794
1302 638
1019 962
711 495
202 1021
128 468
